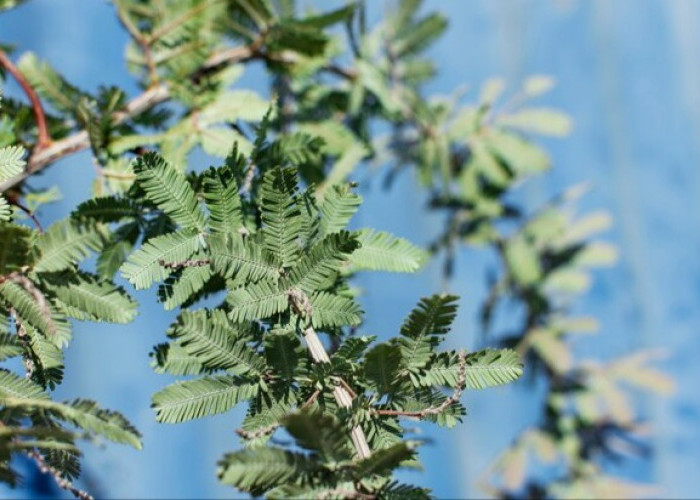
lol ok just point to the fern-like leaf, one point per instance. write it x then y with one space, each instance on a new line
222 200
11 162
215 345
338 207
381 251
199 398
169 189
334 310
232 254
66 243
280 215
146 265
257 301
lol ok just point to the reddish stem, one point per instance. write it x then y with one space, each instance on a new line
44 138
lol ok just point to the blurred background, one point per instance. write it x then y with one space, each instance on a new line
628 73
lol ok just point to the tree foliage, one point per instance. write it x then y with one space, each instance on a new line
257 253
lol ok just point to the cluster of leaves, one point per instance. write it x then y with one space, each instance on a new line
41 287
472 158
277 256
281 258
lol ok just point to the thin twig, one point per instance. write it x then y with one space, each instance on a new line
436 410
141 40
185 263
30 214
43 136
61 481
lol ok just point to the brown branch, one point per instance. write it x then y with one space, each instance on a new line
43 136
436 410
42 157
61 481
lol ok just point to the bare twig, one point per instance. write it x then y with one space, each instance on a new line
30 214
436 410
43 136
185 263
141 40
61 481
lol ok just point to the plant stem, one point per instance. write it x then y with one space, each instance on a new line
53 151
43 136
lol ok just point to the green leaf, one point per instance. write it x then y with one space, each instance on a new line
10 346
334 310
381 251
222 200
234 255
88 416
319 268
215 346
17 388
425 328
15 250
381 367
172 358
338 207
31 310
280 215
418 36
260 469
542 121
66 243
523 261
145 265
319 433
98 300
385 460
492 367
5 210
255 302
169 189
199 398
11 162
178 289
107 209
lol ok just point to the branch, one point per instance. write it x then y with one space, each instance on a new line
30 214
61 481
140 39
301 304
436 410
56 150
43 136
